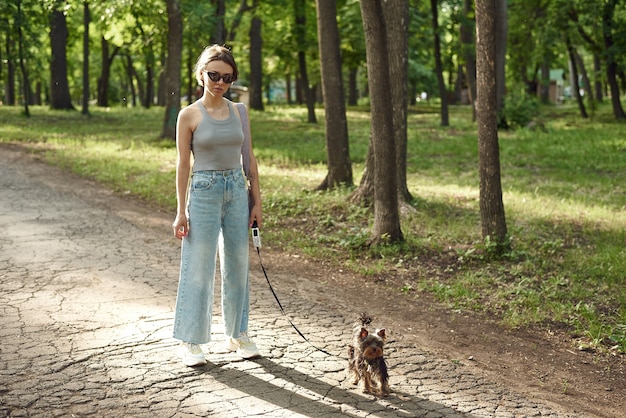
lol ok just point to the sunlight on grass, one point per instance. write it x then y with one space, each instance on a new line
280 179
533 207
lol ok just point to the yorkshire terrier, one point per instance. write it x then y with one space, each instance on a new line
366 363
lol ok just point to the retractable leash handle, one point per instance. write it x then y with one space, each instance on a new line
256 240
256 235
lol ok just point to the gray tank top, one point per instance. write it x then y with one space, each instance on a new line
216 144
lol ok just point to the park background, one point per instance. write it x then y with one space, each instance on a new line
95 88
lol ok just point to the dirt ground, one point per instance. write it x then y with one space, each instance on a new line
542 364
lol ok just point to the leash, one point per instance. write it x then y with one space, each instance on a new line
256 240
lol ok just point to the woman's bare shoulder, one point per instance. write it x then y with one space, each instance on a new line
190 114
191 109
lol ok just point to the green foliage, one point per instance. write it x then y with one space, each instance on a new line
520 109
563 186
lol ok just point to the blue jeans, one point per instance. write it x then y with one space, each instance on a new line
218 223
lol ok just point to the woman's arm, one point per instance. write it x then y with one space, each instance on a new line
256 214
184 133
255 187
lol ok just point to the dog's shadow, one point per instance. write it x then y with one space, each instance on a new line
301 393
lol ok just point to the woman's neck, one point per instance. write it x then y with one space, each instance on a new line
216 106
211 101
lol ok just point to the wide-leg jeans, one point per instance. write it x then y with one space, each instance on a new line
218 223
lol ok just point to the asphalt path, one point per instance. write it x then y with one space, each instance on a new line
87 292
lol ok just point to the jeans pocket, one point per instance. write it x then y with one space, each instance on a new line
202 184
242 182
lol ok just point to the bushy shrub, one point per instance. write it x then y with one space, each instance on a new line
520 109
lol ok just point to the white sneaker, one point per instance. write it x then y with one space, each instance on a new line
191 354
243 345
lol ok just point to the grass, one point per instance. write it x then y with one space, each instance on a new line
564 197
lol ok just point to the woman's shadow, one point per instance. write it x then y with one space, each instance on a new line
301 393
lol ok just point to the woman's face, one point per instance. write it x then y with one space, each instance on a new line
221 69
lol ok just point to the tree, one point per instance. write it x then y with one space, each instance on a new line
601 42
395 32
219 36
501 39
533 45
580 65
491 206
147 37
20 43
8 58
172 69
386 214
445 120
256 64
24 25
468 52
86 20
396 16
337 145
105 72
59 88
352 46
301 42
608 23
575 85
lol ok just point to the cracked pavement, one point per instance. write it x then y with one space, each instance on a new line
87 292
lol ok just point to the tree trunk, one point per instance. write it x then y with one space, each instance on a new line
38 92
443 93
300 28
580 65
161 90
20 45
502 29
172 71
337 145
575 86
192 83
59 88
364 194
386 213
103 80
467 46
491 207
10 83
288 89
353 93
597 70
397 36
219 37
611 64
131 84
149 100
140 89
105 73
256 64
86 20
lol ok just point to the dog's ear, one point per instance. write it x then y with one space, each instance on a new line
382 333
363 333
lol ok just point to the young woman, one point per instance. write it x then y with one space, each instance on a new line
216 217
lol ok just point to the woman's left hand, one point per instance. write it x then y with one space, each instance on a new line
256 215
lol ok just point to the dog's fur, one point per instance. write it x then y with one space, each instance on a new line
366 363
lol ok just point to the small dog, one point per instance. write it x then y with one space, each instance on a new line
366 363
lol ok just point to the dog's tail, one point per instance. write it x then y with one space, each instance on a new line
364 319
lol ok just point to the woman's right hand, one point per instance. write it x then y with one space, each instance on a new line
180 226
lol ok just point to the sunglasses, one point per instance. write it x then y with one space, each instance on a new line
228 78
